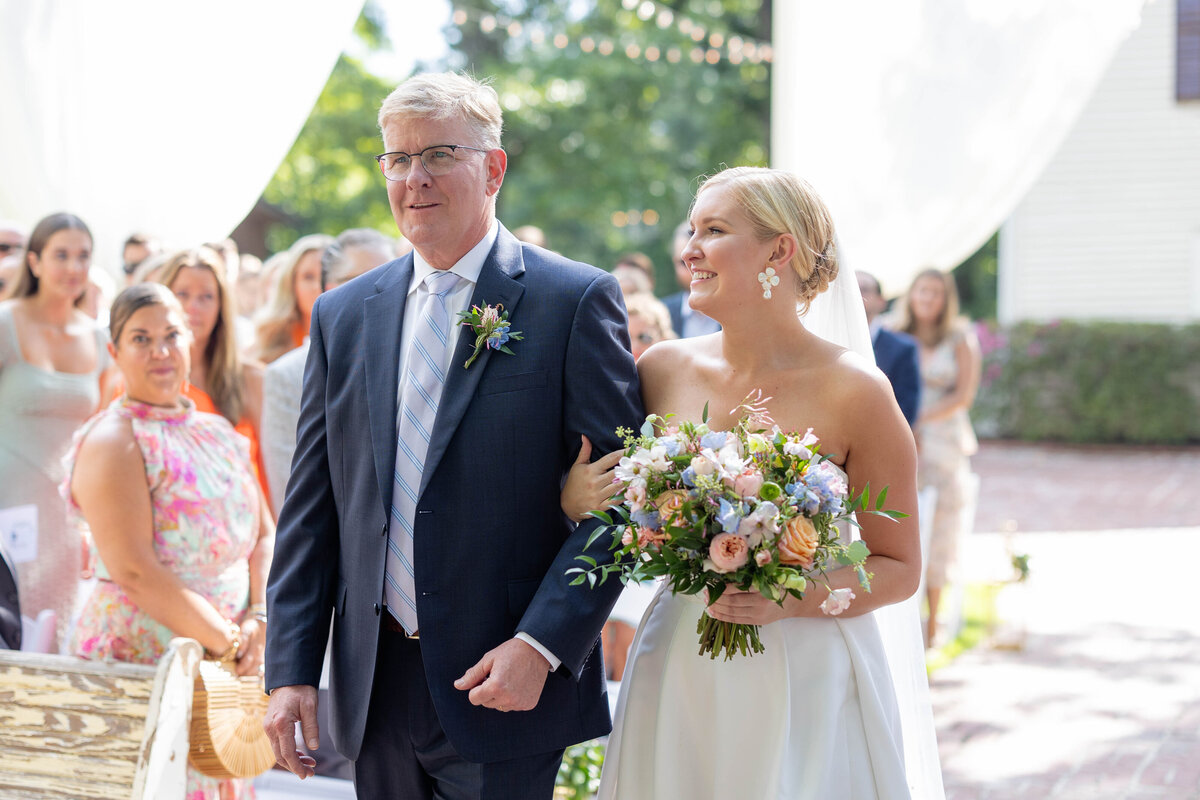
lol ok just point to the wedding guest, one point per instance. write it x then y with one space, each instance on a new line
10 267
180 529
635 273
12 239
220 381
137 248
685 320
649 322
283 325
53 376
351 254
950 371
247 298
895 353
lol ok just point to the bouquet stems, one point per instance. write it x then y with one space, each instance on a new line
730 637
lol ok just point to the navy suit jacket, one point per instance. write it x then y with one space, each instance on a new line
674 304
492 544
10 606
896 354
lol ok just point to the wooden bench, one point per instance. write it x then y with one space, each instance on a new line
71 728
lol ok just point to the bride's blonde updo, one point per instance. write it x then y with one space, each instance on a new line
778 202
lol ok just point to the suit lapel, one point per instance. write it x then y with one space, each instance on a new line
498 285
383 321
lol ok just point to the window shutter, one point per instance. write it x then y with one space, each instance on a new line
1187 50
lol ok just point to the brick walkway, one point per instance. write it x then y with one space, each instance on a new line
1103 701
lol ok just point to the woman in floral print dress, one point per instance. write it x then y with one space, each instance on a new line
177 520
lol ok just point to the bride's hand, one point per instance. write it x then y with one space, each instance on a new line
749 608
589 486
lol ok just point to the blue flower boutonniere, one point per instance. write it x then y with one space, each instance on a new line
491 327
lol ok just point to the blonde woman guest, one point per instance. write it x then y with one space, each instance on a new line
182 537
649 322
283 324
220 381
950 368
52 377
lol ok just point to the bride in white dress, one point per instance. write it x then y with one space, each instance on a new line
815 716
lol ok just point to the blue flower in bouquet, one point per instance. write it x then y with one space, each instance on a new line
806 499
729 515
688 476
714 440
671 445
647 518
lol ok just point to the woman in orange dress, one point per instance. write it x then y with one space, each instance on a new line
219 382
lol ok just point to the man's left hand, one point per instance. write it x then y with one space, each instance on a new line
507 678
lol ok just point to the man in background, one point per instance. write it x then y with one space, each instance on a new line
895 353
686 321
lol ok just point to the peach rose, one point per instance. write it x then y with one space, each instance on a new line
762 558
748 483
669 504
728 552
648 536
627 536
798 542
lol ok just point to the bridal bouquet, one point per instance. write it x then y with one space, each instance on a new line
755 507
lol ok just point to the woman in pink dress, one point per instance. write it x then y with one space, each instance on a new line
177 519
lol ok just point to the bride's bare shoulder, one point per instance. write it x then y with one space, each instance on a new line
857 381
673 366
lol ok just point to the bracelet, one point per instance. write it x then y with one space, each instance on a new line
230 653
257 611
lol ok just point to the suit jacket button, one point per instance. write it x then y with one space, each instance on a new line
376 609
384 531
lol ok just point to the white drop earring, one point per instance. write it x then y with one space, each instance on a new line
768 278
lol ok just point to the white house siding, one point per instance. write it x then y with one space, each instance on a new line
1112 228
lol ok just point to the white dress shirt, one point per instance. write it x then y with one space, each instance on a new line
467 269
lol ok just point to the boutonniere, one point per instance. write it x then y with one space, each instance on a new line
491 327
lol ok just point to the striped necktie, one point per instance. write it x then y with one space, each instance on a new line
425 377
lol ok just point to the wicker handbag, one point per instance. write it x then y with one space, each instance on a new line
227 736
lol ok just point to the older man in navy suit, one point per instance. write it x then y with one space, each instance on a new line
423 511
895 353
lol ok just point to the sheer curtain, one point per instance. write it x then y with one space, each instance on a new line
160 116
922 123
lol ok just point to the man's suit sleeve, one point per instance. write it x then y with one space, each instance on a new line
906 379
305 566
601 393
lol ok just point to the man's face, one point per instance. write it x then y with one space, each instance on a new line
873 301
446 216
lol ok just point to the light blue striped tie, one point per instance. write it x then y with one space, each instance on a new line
423 383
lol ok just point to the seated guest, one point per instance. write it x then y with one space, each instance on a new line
635 273
349 255
283 324
896 354
179 525
221 382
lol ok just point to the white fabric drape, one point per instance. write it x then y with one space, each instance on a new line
922 123
166 117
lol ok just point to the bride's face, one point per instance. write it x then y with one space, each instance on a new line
725 256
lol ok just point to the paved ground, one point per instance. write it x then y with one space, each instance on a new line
1103 701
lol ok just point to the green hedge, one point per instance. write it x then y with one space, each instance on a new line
1090 382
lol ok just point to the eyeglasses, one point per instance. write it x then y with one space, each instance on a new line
437 160
647 338
8 247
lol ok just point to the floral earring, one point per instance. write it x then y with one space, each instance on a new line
768 278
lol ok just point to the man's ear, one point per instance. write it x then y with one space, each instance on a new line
496 164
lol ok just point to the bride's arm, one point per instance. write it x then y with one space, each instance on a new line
881 451
589 485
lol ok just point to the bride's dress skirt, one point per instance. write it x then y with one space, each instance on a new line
812 718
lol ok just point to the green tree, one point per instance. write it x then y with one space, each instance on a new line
328 182
975 279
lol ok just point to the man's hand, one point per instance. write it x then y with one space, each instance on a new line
287 706
508 678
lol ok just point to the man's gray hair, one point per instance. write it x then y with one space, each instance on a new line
447 95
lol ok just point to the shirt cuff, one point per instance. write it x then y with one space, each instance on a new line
536 645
